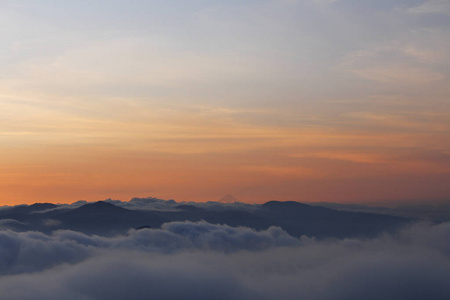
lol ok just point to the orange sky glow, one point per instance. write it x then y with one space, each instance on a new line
277 100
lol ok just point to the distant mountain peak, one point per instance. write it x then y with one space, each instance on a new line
42 206
36 207
100 206
228 199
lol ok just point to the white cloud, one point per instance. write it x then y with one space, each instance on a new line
414 263
20 250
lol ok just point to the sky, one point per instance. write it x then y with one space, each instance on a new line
307 100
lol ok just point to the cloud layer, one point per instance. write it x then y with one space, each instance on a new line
204 261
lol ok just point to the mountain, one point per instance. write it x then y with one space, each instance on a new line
26 209
106 218
301 219
99 207
228 199
427 212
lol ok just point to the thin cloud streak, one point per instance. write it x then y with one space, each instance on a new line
187 94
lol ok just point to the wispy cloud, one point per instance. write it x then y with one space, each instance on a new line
431 7
173 96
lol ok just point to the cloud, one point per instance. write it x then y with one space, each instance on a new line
431 7
324 2
204 261
6 222
399 74
51 222
24 252
394 64
11 224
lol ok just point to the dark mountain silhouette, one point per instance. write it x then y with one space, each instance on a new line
26 209
188 207
429 212
297 219
106 218
99 207
301 219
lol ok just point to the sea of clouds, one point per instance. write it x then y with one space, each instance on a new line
185 260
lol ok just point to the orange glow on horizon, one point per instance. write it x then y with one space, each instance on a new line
288 100
204 163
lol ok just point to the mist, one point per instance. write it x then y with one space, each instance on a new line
186 260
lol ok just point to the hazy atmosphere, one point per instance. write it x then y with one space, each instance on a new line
235 149
312 100
414 266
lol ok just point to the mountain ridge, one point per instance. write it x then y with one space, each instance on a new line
296 218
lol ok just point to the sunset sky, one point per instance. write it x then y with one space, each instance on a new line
307 100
